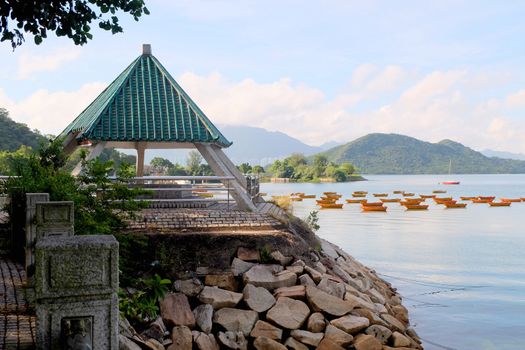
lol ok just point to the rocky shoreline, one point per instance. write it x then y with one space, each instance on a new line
268 301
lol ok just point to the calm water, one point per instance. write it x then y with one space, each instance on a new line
461 271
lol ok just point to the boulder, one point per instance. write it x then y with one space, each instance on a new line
225 281
257 298
320 267
280 258
233 340
293 344
393 322
306 337
401 313
372 317
338 336
316 322
288 313
327 344
248 254
306 280
295 292
351 324
265 329
203 317
155 330
328 249
175 310
236 320
154 344
399 340
181 338
295 269
316 275
367 342
322 301
125 343
219 298
376 296
380 332
264 343
358 302
205 341
269 277
190 287
239 266
335 288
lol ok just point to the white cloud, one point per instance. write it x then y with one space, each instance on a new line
51 111
29 63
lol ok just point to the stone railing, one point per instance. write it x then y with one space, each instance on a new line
75 281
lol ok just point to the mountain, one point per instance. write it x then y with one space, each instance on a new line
399 154
504 155
13 134
251 145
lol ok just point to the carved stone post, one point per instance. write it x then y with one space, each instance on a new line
30 231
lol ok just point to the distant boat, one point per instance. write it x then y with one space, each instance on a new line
380 194
390 200
331 205
499 204
450 182
356 201
416 206
455 205
511 200
372 208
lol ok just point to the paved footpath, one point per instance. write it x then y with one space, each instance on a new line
17 321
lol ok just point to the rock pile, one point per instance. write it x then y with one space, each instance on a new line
326 300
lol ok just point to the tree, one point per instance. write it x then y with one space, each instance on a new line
193 162
320 162
296 159
161 165
257 169
71 18
245 168
177 170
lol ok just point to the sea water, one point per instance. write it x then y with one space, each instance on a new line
461 272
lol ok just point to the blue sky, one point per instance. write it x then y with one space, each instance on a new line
317 70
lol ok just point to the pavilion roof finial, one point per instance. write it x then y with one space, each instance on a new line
146 49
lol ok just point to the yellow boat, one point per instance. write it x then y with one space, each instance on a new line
439 191
372 208
380 194
455 205
416 206
463 198
355 201
390 200
331 206
307 196
499 204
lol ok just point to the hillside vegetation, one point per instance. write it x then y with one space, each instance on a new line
13 134
399 154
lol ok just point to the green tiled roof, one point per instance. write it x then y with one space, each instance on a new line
145 103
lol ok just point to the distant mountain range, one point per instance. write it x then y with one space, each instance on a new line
504 155
399 154
13 134
250 145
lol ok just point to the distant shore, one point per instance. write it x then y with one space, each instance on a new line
351 178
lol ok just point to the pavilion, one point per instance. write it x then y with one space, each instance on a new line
145 108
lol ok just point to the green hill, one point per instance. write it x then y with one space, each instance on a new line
399 154
13 134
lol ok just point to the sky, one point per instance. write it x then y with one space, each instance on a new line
319 71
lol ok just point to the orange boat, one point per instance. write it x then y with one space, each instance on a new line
511 200
467 198
325 201
439 191
326 198
416 206
390 200
296 199
355 201
307 196
373 208
358 195
443 200
490 198
414 201
522 199
405 194
398 192
380 194
331 206
480 200
329 193
455 205
364 192
499 204
426 196
373 204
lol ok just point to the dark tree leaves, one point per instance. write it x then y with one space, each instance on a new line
71 18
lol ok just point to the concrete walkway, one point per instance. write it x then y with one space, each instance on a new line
17 321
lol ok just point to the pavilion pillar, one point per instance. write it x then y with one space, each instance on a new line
216 164
139 165
93 153
229 164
